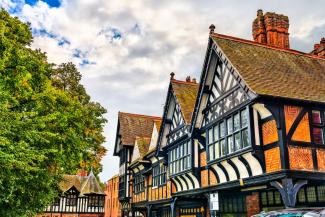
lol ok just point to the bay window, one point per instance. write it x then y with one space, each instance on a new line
180 158
228 135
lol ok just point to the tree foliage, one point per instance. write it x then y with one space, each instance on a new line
48 125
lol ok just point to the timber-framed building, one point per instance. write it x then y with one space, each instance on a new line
82 196
250 136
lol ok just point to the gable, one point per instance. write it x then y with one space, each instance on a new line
141 147
154 137
177 118
131 126
222 88
178 126
178 112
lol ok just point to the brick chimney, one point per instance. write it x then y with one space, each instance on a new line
271 29
319 49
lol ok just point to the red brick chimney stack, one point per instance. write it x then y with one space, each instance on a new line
259 31
271 29
319 49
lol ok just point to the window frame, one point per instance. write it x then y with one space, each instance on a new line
138 183
220 146
95 201
320 125
180 158
71 199
159 175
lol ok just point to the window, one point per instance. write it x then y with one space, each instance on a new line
228 135
180 158
95 201
158 175
71 200
138 183
318 127
57 202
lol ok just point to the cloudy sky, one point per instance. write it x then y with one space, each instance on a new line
126 49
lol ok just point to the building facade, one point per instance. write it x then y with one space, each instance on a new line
82 197
250 136
112 203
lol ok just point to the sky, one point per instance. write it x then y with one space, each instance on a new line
126 49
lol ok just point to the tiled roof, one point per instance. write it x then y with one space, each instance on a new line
153 142
273 71
158 124
186 93
140 149
132 125
83 184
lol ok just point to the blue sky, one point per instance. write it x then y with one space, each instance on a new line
127 49
51 3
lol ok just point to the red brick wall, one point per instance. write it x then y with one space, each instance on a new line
203 159
321 160
269 132
252 204
204 178
69 215
302 132
213 178
290 114
112 205
300 158
272 160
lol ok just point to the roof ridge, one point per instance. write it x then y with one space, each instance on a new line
292 51
140 115
183 82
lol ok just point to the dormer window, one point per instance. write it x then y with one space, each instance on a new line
228 135
180 158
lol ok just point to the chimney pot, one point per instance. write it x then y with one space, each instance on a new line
194 80
212 27
271 29
172 75
319 49
188 79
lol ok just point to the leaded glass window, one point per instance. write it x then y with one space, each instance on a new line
180 158
228 135
138 183
158 175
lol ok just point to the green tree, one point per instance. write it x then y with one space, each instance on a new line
48 125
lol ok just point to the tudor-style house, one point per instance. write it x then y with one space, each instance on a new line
82 196
250 136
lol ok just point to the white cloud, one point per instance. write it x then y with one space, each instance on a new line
131 72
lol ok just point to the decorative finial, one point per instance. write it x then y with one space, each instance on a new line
322 41
259 12
91 171
212 27
172 74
